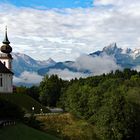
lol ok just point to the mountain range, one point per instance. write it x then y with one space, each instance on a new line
125 58
25 63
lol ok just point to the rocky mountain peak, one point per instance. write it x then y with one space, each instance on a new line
111 49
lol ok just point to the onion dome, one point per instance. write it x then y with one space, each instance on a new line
6 48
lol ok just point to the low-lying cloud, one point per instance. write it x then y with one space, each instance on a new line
97 65
28 77
67 74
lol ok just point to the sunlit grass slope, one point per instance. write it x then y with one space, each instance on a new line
68 127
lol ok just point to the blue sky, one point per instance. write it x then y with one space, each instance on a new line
50 3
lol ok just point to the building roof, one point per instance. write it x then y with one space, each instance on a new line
4 69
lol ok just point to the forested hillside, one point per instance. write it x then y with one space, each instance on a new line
110 102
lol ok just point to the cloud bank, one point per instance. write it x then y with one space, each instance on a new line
66 74
64 34
96 65
28 77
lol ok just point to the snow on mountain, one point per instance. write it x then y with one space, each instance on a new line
25 59
112 49
127 51
135 54
23 62
126 58
48 62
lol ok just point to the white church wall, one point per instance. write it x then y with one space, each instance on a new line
7 85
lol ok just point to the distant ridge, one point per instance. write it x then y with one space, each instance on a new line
23 62
125 58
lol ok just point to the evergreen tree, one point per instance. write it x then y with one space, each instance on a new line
50 90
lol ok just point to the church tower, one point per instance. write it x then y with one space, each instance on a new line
6 74
6 49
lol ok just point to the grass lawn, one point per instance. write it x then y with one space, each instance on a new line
23 132
24 101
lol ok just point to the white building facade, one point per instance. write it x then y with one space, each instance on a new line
6 74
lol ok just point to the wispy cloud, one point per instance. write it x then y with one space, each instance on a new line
107 2
65 34
115 2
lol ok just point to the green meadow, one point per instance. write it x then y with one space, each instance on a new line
23 132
